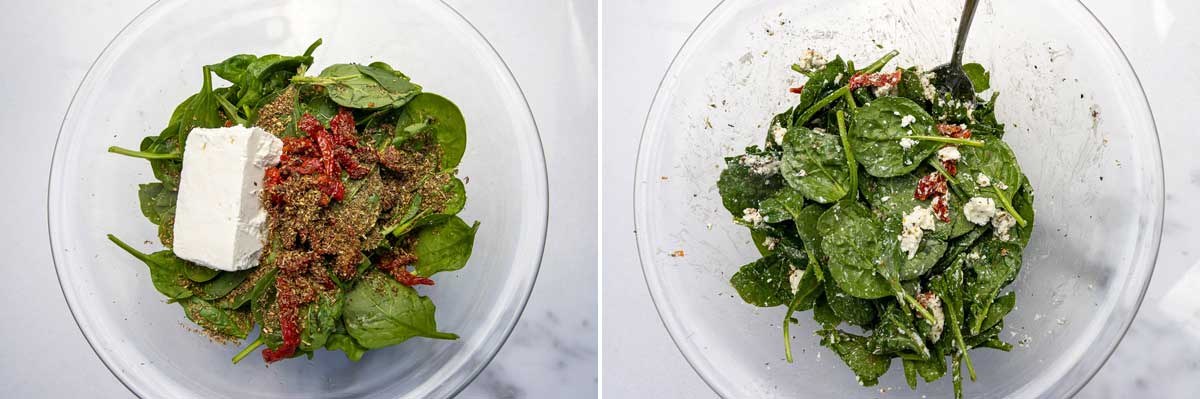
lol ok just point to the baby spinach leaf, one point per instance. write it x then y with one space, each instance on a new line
996 160
255 285
198 273
225 322
815 165
764 282
355 86
851 239
440 115
934 368
854 352
157 202
895 334
996 266
857 311
910 87
233 68
381 312
823 314
822 82
319 319
1000 308
165 270
444 247
223 284
1023 204
778 207
199 110
345 343
266 74
741 188
978 76
877 130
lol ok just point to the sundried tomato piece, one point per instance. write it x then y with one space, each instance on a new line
880 79
797 90
941 208
955 131
930 185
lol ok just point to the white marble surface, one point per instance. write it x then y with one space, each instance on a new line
549 45
1159 358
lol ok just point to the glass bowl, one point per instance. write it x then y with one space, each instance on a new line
154 63
1078 121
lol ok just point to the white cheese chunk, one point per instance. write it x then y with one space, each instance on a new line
979 210
949 153
219 218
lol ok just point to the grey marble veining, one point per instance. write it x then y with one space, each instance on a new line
47 49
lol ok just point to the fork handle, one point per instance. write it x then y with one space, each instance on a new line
964 27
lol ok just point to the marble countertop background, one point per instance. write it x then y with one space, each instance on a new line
1158 358
46 50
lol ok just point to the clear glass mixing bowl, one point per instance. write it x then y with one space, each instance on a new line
154 63
1079 123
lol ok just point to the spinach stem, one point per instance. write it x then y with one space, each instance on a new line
787 335
878 64
312 47
962 345
231 111
841 123
248 349
798 69
144 155
875 66
903 296
1008 206
137 254
937 165
948 140
850 101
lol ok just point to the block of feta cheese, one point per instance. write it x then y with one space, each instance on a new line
219 217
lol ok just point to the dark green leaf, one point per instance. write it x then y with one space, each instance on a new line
444 247
381 312
223 284
980 78
444 118
852 241
225 322
821 83
765 282
345 343
857 311
350 87
815 164
853 351
742 188
165 270
319 319
876 133
779 207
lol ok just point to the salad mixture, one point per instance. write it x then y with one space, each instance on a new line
882 203
354 178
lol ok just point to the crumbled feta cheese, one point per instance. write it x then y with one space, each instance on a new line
219 218
907 143
907 120
949 153
837 78
778 132
801 173
973 256
979 210
915 223
927 89
794 279
761 164
770 243
885 199
820 130
885 90
751 215
983 180
811 61
1001 224
1000 185
933 304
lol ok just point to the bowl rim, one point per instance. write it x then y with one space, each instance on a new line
674 328
541 184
